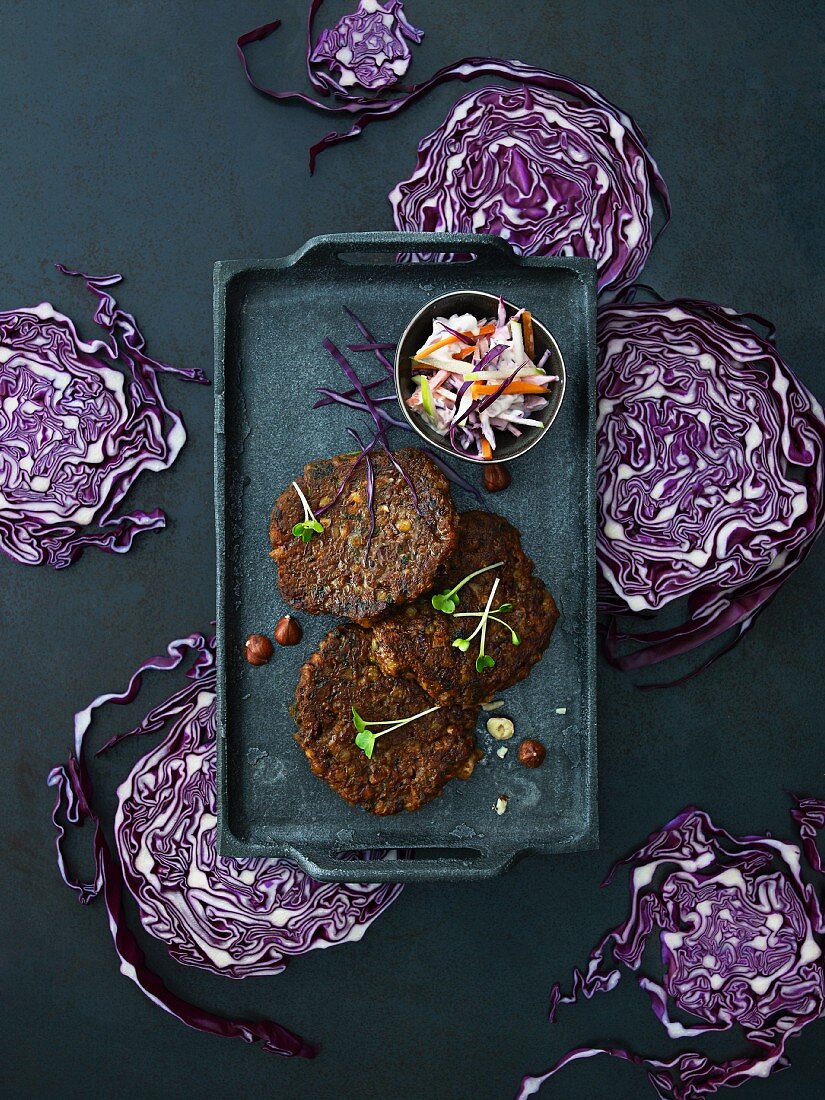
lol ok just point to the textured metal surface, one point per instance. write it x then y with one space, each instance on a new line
133 144
270 318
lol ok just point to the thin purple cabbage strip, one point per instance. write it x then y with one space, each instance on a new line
710 474
368 336
809 815
349 393
235 917
352 375
370 484
79 422
737 926
367 47
458 335
550 175
320 510
374 412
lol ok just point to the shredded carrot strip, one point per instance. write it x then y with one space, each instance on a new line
486 449
485 330
465 353
484 389
527 333
435 347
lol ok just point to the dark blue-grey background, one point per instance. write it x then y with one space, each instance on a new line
132 143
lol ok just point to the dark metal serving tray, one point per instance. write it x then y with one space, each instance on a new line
270 319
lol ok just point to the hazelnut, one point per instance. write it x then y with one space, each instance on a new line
288 631
496 477
531 753
502 729
501 804
258 649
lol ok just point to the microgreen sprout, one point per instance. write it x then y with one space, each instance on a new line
449 601
489 614
366 733
310 525
493 617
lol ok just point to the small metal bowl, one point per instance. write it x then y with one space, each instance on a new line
481 304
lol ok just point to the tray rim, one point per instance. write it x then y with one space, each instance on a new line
322 864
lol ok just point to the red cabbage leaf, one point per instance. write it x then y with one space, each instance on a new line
236 917
710 473
75 431
738 931
551 175
368 47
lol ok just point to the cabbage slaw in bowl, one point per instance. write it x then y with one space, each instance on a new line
475 379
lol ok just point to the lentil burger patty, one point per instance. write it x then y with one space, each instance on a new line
409 766
330 572
418 640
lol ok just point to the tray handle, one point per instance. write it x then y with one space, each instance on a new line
486 248
326 866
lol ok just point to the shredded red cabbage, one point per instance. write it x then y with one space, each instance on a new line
362 399
236 917
710 473
738 931
368 47
550 175
76 431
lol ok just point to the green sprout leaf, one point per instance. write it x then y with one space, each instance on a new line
310 525
365 737
505 607
484 661
462 643
446 602
514 638
365 740
358 721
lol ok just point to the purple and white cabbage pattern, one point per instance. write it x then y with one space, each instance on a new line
238 917
368 47
710 470
739 934
235 917
551 175
79 421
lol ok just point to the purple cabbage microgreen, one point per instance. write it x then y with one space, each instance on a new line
448 601
365 732
309 525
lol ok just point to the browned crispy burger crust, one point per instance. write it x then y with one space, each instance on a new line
331 572
410 766
417 641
